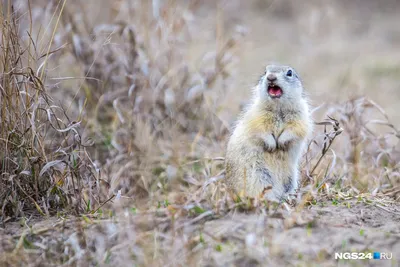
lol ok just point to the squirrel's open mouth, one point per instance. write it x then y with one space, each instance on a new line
274 91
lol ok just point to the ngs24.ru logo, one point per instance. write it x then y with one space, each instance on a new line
362 256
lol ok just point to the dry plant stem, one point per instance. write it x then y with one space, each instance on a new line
51 41
105 202
39 231
337 131
31 199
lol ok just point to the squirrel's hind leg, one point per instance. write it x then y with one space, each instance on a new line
265 186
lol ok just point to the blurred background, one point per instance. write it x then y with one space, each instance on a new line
341 49
119 111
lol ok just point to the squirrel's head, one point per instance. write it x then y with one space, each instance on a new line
280 83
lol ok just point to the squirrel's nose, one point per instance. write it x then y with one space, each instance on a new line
271 77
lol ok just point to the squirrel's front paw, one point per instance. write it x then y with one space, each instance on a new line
284 140
284 145
269 143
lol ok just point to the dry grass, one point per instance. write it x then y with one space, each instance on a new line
44 163
112 141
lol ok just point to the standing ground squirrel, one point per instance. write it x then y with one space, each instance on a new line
270 137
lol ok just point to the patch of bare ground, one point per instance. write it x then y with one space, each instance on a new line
267 236
263 240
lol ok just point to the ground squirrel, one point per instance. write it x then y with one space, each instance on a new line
270 137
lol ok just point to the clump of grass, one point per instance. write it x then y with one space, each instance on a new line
43 163
369 147
365 160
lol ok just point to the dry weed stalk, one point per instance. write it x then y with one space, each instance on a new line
328 140
367 155
374 156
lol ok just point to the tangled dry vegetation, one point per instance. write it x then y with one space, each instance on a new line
120 159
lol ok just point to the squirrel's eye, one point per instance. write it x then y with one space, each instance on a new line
289 73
